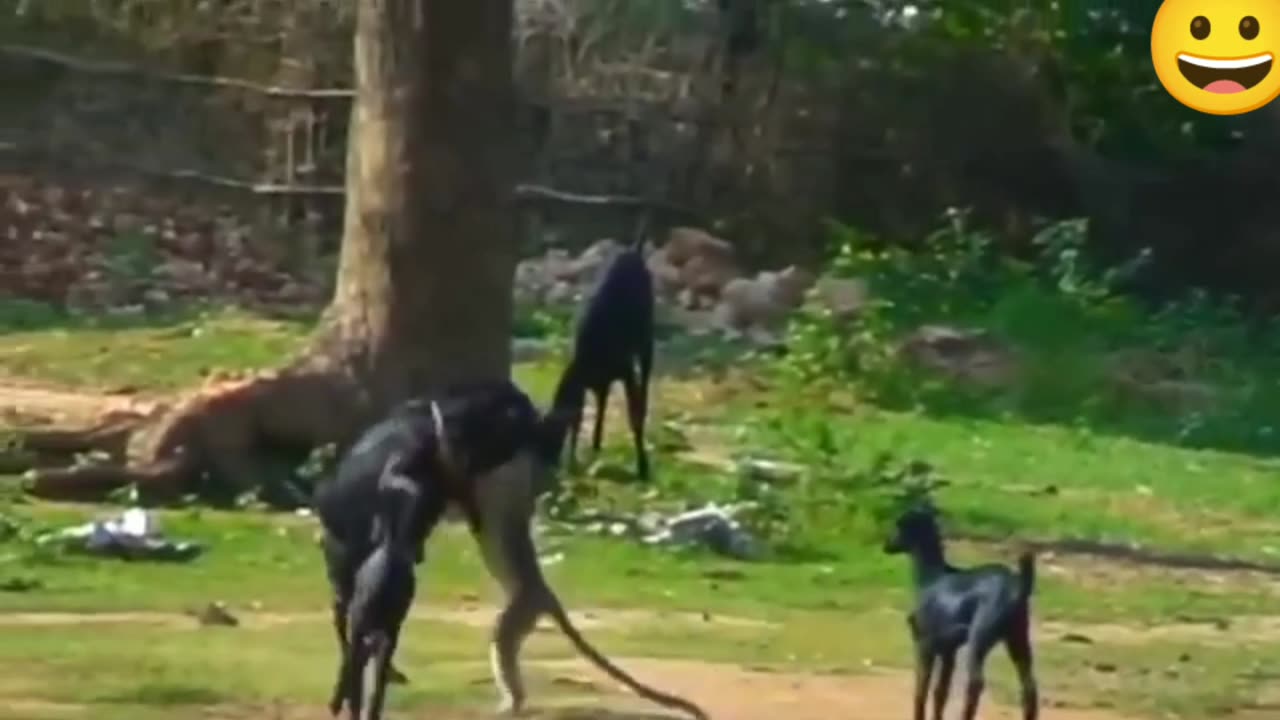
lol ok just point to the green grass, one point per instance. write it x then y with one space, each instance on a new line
156 354
830 617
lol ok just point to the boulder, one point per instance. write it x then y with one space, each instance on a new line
967 355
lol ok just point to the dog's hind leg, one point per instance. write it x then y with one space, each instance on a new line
339 568
1018 643
384 649
602 402
983 635
575 424
942 688
354 681
637 410
925 657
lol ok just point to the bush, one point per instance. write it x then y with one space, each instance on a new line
1203 374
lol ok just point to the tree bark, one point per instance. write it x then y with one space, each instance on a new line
424 288
424 281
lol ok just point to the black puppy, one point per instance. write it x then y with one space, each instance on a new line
466 431
977 606
614 341
384 588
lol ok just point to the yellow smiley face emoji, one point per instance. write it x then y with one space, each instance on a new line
1218 56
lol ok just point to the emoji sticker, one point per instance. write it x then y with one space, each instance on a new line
1218 56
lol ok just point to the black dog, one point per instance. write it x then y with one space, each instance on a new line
977 606
467 431
384 588
614 341
446 450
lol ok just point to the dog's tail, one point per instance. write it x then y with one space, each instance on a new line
1026 574
640 233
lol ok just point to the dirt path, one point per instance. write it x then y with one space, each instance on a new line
579 691
726 692
736 693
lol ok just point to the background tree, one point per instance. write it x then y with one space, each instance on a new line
423 293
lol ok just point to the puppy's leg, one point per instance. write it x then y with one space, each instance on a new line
575 423
602 402
636 411
383 650
1018 643
925 657
943 687
340 684
981 639
339 567
355 678
426 516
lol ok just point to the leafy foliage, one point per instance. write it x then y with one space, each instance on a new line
1195 371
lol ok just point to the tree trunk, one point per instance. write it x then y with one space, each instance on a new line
424 281
423 293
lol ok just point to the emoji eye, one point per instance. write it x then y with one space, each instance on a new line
1200 27
1249 27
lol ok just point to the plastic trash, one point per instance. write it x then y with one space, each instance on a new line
712 526
134 535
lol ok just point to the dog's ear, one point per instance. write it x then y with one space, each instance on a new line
392 482
922 506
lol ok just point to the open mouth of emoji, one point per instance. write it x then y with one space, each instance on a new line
1225 76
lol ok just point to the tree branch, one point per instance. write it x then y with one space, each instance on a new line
123 68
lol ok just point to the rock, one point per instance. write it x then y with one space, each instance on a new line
1161 379
666 276
561 293
770 471
966 355
704 264
704 276
685 243
765 301
844 298
216 614
593 261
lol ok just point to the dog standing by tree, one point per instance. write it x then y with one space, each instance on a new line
613 342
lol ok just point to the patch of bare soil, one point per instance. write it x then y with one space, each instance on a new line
726 692
736 693
18 707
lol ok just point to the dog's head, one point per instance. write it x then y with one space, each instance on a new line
916 527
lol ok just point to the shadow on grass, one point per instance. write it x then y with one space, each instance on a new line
165 693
